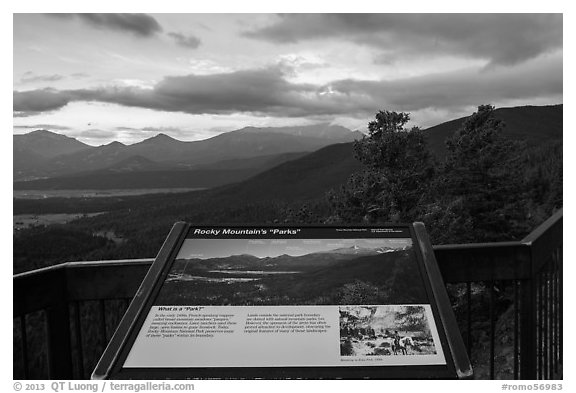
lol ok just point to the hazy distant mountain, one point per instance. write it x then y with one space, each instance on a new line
48 144
27 163
135 164
260 162
137 172
162 149
159 148
32 151
324 130
308 177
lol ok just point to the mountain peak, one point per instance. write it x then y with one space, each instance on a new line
160 138
42 132
44 144
115 144
45 134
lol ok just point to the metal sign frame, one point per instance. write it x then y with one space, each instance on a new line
457 364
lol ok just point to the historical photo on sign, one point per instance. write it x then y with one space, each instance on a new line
391 330
257 272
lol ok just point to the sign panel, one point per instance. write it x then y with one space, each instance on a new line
288 302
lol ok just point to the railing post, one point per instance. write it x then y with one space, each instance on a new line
58 328
59 348
527 329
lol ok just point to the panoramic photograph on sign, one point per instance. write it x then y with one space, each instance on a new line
293 272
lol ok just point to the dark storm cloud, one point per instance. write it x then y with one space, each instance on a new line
140 25
499 38
459 89
268 92
36 101
187 41
259 90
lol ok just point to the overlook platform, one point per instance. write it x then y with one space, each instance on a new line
507 297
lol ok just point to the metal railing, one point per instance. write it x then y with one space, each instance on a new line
507 297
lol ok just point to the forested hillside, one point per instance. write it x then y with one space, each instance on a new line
532 124
487 188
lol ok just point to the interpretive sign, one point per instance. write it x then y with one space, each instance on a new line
289 302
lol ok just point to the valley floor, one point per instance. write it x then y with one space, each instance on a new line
43 194
23 221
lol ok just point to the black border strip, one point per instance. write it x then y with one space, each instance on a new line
448 320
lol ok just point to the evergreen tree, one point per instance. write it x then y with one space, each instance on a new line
475 196
397 170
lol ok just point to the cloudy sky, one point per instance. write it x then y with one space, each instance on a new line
127 77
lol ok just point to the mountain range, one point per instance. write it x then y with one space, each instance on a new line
246 262
286 162
43 154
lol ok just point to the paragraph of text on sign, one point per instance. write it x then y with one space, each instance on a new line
292 323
